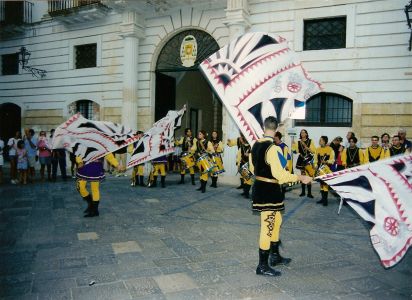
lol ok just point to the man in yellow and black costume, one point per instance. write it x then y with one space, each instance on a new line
268 164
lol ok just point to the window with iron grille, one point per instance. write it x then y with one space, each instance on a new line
327 109
86 56
10 64
329 33
85 107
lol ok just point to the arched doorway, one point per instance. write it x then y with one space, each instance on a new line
10 120
179 81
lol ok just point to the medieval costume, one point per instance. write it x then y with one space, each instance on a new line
324 158
202 148
186 143
92 172
268 164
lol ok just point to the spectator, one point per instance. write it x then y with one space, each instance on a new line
397 148
58 158
121 158
1 160
44 155
30 143
403 141
337 149
12 144
22 161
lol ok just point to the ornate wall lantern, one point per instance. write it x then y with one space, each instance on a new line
408 12
24 57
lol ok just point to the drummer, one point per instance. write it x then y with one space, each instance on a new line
324 158
242 160
186 143
305 148
202 148
218 147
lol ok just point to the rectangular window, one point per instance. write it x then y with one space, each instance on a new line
328 33
85 107
10 64
86 56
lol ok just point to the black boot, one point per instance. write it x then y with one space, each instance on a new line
246 189
182 179
193 179
214 182
204 182
263 267
141 181
154 182
94 211
275 258
303 190
310 191
321 199
88 199
162 180
241 184
325 200
201 184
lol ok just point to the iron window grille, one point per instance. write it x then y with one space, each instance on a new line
85 107
329 33
327 110
10 64
86 56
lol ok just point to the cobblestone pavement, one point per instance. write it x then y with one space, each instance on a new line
176 243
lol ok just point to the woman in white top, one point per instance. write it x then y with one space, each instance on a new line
12 144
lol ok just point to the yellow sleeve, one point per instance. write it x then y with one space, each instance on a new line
315 156
79 160
331 156
365 155
219 148
288 158
312 147
361 157
232 142
343 157
110 158
130 148
194 147
251 166
210 148
295 148
278 172
238 157
385 154
179 141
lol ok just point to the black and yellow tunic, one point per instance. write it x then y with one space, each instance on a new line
352 157
306 150
374 153
397 150
268 164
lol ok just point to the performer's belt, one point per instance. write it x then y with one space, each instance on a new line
266 179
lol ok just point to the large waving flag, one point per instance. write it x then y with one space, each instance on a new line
91 139
257 75
381 193
158 140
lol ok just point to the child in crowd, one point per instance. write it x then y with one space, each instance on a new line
44 155
22 161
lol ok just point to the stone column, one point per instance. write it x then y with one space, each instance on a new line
237 21
131 30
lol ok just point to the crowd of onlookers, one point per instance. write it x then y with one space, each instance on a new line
25 152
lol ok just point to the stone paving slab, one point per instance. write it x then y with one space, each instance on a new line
176 243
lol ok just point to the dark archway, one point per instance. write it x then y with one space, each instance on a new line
179 81
10 120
